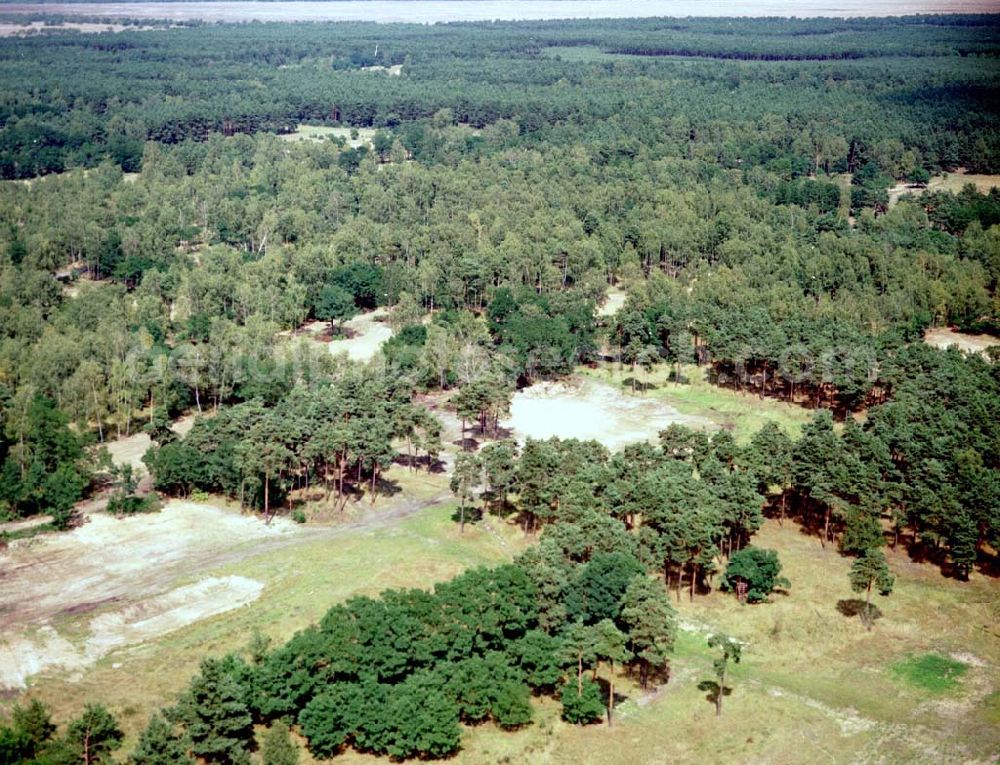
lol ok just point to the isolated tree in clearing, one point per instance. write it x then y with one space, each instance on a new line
731 650
870 571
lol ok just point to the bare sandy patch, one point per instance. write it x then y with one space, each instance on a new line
129 451
322 132
9 29
953 182
393 71
30 653
589 409
368 331
182 425
121 577
945 337
122 561
614 302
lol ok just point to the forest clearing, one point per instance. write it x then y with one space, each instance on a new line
587 409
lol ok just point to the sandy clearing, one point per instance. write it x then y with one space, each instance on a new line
129 451
587 409
29 653
33 28
952 182
124 573
120 560
613 304
946 337
369 331
182 425
393 71
322 132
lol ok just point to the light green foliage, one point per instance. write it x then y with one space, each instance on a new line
278 747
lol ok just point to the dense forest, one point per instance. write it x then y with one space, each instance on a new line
158 232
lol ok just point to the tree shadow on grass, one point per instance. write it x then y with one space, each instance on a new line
472 515
634 384
866 612
387 488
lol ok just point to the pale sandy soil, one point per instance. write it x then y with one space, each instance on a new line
130 450
69 599
22 656
183 425
393 71
321 132
12 527
613 304
369 331
945 337
8 29
589 409
125 572
952 182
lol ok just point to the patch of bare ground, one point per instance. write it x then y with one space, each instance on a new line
952 182
12 29
366 334
27 654
588 409
613 303
946 337
133 575
123 560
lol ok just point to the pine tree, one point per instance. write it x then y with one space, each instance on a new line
732 650
94 735
159 744
871 571
651 624
215 715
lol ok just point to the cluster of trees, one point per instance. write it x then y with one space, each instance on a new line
32 738
397 675
336 434
924 466
43 467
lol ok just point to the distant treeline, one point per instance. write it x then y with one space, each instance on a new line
72 100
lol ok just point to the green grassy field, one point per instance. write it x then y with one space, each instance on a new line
743 413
